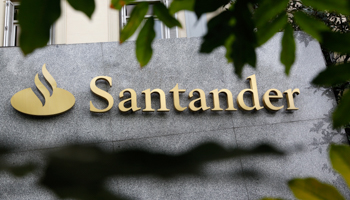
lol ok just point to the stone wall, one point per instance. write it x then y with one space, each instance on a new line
305 133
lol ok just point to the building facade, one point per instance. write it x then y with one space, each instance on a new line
74 27
303 132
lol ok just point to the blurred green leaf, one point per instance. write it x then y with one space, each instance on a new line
144 42
268 30
219 30
243 47
288 48
178 5
269 9
118 4
205 6
228 46
86 6
337 42
339 155
163 15
341 115
333 75
36 18
310 25
312 189
136 17
340 6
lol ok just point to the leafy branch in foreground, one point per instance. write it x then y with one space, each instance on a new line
38 16
312 189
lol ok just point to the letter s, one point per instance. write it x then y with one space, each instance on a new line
101 93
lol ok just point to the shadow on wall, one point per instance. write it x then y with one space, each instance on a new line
81 172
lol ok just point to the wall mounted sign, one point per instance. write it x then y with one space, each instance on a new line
269 94
59 101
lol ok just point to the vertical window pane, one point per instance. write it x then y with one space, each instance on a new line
15 17
158 29
129 8
17 32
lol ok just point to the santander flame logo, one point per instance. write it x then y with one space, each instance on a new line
27 102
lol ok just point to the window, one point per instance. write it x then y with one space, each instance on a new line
12 28
161 30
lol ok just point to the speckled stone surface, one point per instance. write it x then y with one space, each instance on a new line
305 133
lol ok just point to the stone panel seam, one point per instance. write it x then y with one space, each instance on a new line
54 147
240 161
174 134
115 141
304 120
168 135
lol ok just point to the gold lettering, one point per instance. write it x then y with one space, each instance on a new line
201 98
101 93
290 100
217 101
254 91
132 99
148 93
176 97
267 97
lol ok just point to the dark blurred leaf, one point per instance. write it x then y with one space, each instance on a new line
340 6
144 42
80 171
136 17
178 5
269 9
243 47
219 29
205 6
36 18
310 25
163 15
228 46
118 4
312 189
288 48
341 115
333 75
21 170
336 42
268 30
339 155
86 6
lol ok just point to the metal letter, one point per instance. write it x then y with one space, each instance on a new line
290 100
148 93
267 97
101 93
176 98
217 101
201 98
133 99
254 91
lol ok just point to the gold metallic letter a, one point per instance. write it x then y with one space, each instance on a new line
27 102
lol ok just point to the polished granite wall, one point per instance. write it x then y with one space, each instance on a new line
305 133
